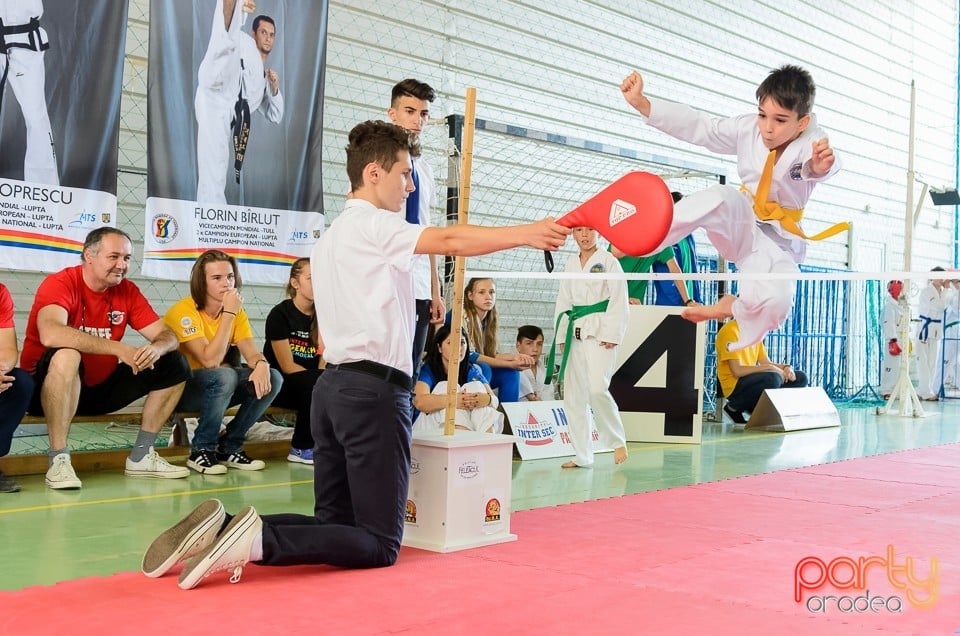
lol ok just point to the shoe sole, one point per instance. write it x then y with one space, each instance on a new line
157 475
64 485
293 459
245 466
217 469
198 569
189 536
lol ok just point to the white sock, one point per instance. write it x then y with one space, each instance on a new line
256 548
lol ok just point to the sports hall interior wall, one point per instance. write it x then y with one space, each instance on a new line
555 67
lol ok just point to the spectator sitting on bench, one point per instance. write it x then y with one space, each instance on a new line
476 404
16 385
745 374
532 380
294 347
480 320
208 322
80 365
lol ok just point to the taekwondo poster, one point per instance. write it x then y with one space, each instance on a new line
234 124
61 71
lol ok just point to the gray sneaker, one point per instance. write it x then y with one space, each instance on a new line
8 484
230 552
189 536
61 474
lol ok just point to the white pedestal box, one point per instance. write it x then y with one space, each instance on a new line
459 495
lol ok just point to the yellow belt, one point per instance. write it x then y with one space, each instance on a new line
773 211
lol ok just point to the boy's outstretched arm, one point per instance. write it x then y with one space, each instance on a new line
632 89
474 240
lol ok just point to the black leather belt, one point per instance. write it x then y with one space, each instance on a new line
382 371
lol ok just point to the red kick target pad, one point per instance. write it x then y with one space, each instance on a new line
634 213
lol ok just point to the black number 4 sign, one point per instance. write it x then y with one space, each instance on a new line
678 399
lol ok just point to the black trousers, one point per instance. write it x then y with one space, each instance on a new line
13 404
749 388
420 333
361 429
120 388
297 393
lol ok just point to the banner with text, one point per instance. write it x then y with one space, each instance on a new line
234 128
541 429
61 71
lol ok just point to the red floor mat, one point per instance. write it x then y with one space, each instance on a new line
714 558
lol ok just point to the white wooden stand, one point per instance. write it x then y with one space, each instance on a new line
794 409
460 488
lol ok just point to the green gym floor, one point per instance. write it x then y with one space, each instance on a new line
48 536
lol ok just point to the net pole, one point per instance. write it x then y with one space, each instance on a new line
903 390
463 215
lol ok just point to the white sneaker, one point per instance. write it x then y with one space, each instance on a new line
230 552
152 465
61 474
189 536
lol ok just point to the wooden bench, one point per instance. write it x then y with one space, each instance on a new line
132 414
177 449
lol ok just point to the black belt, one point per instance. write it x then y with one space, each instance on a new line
382 371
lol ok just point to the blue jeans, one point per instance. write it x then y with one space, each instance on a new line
13 404
506 380
212 392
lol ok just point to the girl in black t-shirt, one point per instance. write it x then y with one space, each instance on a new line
294 347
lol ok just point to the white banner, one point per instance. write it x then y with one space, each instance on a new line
542 429
264 241
42 227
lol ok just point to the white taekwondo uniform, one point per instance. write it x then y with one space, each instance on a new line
727 213
21 61
231 66
590 366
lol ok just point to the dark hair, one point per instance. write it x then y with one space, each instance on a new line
435 360
791 87
676 196
198 274
92 242
263 18
373 142
937 269
530 332
295 268
412 88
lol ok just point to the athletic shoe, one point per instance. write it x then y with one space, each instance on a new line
735 415
239 460
205 462
152 465
229 552
298 456
8 484
192 534
61 474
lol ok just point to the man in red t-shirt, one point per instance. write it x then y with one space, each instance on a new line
74 349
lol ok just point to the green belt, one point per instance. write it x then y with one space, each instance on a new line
573 314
